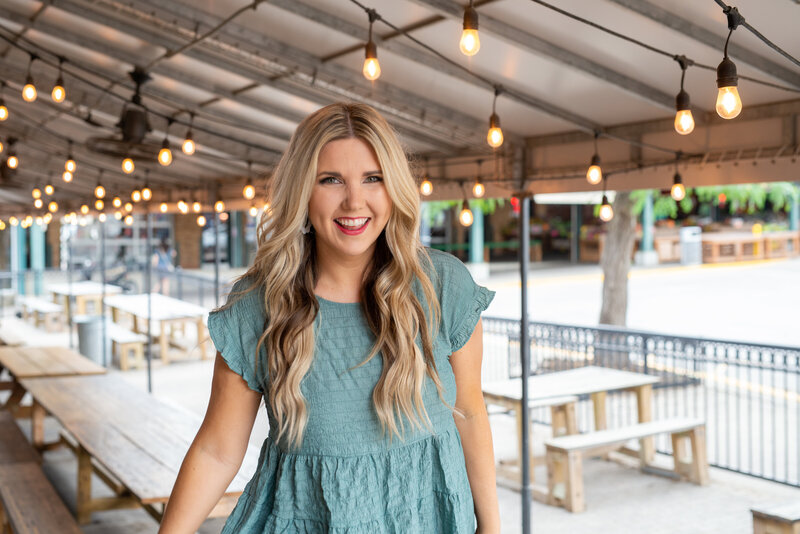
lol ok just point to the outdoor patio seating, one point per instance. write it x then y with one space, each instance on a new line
781 518
565 456
125 343
28 502
43 313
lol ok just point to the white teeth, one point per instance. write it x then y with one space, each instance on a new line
352 223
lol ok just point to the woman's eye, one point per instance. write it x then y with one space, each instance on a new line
328 180
373 179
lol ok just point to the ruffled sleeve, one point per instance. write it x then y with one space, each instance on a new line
461 299
235 329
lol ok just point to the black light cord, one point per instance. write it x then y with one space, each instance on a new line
728 10
658 50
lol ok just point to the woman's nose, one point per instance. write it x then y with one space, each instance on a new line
355 196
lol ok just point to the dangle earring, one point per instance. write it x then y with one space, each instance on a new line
306 227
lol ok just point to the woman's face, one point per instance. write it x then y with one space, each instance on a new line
349 205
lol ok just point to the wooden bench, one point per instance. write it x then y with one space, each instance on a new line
28 502
565 456
44 313
777 519
125 342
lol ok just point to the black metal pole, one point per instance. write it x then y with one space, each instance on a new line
149 290
69 285
525 347
216 258
103 294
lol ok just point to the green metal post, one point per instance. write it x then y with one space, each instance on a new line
476 237
237 255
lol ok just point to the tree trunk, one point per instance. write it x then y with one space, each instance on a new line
616 261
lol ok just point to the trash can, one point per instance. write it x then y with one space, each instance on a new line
90 336
691 245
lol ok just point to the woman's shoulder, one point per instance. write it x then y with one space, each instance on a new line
447 270
245 299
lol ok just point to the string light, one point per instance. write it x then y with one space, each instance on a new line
49 189
1 147
684 122
128 207
594 175
163 207
99 191
188 145
128 166
118 215
678 191
465 217
53 206
478 189
495 134
196 207
36 193
70 165
606 211
136 195
2 225
99 204
470 43
249 192
102 217
219 206
84 209
13 160
729 104
117 202
253 210
58 94
165 154
129 220
201 220
67 176
182 206
13 221
3 109
38 203
372 68
147 193
29 90
426 187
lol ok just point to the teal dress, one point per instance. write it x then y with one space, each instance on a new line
346 478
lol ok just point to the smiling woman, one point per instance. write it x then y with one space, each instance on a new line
366 348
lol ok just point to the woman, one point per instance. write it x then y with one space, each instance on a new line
366 348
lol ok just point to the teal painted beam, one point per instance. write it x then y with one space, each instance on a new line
19 261
476 237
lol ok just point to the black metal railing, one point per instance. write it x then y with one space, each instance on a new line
748 393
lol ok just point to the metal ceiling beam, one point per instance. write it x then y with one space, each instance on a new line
427 59
254 56
540 46
698 33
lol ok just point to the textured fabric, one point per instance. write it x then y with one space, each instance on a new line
346 478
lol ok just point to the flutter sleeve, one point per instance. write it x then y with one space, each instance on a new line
235 329
461 299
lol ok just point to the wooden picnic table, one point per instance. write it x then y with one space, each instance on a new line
133 441
82 292
590 380
39 362
170 314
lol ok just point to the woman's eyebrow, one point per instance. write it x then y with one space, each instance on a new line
339 175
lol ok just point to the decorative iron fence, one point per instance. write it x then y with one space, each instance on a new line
748 393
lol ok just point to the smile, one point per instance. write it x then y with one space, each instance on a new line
352 225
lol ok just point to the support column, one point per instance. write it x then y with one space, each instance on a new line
424 227
794 210
237 249
576 221
647 254
18 258
37 257
478 267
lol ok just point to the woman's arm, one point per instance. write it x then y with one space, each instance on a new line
476 436
216 452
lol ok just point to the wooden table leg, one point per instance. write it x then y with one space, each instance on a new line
84 497
163 341
80 305
202 341
17 393
37 425
644 405
599 403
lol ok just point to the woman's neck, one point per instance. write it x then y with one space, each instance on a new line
340 277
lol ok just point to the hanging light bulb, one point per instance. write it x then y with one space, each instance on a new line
426 187
117 202
53 206
219 206
84 209
594 175
102 217
38 203
129 220
29 90
128 207
136 195
182 206
3 110
684 121
47 218
201 220
147 193
12 161
49 189
495 134
196 207
188 145
2 225
678 191
478 190
249 192
372 69
36 193
165 154
70 165
13 221
729 104
99 191
1 147
99 204
163 207
128 166
465 217
470 42
267 207
67 176
39 220
118 215
606 211
253 211
58 93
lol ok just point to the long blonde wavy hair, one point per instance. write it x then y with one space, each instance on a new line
285 269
